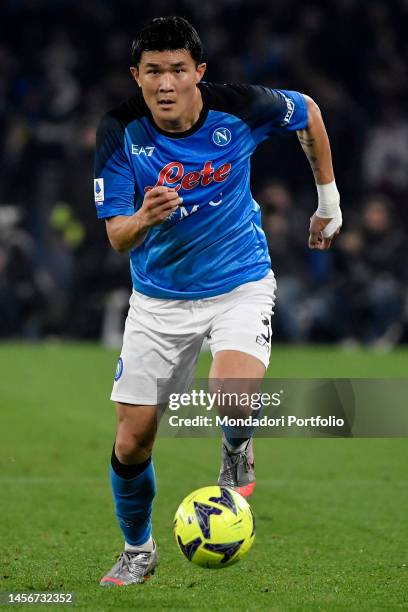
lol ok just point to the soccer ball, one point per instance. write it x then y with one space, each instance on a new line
214 527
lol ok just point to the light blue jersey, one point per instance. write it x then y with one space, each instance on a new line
214 241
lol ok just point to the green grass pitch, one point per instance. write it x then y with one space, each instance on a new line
332 525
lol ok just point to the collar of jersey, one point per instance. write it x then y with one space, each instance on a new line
194 128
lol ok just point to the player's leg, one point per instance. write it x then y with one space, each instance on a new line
159 352
134 487
240 340
237 374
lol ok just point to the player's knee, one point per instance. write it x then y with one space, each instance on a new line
132 447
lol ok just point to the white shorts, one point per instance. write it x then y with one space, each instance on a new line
163 338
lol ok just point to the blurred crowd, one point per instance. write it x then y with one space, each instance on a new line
63 63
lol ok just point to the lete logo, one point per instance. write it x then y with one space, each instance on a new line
173 174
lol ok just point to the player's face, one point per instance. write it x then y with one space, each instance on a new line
169 84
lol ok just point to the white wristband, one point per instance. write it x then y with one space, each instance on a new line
329 207
328 200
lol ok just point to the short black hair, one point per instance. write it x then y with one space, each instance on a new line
167 33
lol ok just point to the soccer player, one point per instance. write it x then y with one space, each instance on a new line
172 181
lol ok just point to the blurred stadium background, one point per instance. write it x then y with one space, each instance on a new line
64 63
326 539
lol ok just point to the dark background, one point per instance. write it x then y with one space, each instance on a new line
64 63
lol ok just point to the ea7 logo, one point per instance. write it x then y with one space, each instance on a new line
139 150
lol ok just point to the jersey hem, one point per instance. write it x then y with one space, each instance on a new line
196 295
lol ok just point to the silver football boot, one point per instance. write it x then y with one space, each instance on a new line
238 469
132 568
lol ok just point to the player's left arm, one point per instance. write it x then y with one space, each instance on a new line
326 222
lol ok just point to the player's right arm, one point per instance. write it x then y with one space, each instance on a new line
117 198
127 232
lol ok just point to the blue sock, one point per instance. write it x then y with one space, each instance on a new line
235 436
133 499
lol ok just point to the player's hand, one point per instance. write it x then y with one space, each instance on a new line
316 238
158 204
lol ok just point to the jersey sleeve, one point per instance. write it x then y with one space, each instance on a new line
275 110
114 182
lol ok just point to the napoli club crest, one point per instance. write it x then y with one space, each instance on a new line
221 136
119 369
